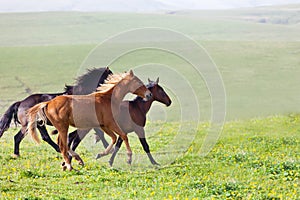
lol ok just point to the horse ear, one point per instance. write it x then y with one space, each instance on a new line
149 80
107 69
131 72
157 80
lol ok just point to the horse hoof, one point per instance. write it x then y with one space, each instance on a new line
155 163
64 167
110 163
81 163
15 155
98 156
129 161
97 139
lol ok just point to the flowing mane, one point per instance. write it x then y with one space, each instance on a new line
88 82
111 81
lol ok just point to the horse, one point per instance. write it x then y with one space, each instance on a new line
132 119
85 84
18 110
75 110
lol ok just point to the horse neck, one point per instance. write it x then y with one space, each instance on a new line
143 105
118 93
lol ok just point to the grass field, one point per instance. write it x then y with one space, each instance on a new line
257 155
253 159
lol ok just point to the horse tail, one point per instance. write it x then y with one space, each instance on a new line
7 117
36 115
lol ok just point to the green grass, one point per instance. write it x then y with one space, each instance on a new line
253 159
260 79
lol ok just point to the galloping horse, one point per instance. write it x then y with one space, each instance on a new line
85 84
132 119
75 110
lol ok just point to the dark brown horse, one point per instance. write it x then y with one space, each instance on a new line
17 111
99 109
132 119
85 84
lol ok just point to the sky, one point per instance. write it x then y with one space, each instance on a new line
131 5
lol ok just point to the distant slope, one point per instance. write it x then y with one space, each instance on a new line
52 28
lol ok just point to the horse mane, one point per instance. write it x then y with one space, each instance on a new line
111 81
88 82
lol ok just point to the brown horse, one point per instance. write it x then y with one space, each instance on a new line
132 118
99 109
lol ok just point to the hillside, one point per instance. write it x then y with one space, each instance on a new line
258 60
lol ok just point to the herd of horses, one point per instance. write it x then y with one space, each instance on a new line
94 102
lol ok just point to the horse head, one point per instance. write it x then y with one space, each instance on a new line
158 92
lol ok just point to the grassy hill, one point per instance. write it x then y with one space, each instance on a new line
258 61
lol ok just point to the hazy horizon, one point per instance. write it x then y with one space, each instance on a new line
132 5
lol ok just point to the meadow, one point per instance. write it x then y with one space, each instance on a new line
257 155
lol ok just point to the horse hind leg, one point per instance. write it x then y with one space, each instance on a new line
125 139
17 140
63 146
117 148
46 137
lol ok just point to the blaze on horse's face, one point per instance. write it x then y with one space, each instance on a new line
137 87
158 92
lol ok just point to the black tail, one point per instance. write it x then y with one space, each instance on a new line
7 117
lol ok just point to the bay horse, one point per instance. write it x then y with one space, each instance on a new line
85 84
132 119
75 110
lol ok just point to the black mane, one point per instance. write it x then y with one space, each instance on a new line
88 82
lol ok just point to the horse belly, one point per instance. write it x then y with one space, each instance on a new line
84 113
124 120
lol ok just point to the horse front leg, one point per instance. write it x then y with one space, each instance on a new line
110 146
141 134
47 138
100 136
147 150
74 139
